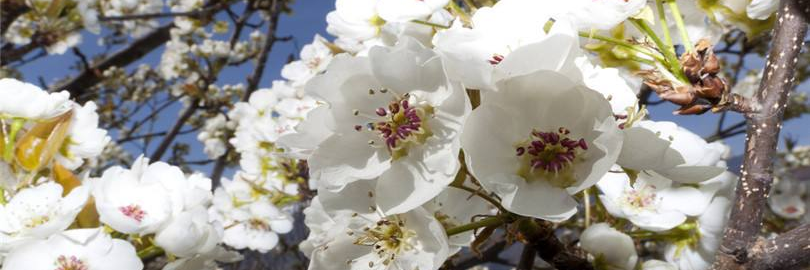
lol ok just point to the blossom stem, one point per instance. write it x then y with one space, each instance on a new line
150 252
622 43
676 12
671 59
16 125
2 196
481 194
486 222
430 24
662 20
587 199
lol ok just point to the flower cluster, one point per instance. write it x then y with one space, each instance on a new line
422 129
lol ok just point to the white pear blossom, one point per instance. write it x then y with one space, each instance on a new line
787 198
85 139
619 254
393 115
38 212
315 57
212 136
653 202
600 14
89 249
245 210
471 55
671 151
697 252
255 226
539 139
143 199
25 100
353 234
189 233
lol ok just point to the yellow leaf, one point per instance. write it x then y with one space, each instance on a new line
37 147
66 178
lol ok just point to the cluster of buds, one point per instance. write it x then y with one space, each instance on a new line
704 91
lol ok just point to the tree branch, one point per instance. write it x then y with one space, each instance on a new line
527 257
169 138
786 251
79 86
764 125
540 236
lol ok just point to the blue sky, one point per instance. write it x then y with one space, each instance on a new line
308 18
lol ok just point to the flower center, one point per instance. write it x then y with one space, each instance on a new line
388 237
402 125
36 221
549 156
258 224
70 263
640 199
133 211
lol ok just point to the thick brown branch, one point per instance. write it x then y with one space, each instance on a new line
786 251
540 236
79 85
762 136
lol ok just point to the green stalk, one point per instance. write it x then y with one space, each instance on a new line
676 12
16 125
430 24
623 43
150 252
662 20
2 196
671 59
487 222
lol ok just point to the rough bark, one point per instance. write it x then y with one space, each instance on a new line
763 126
789 250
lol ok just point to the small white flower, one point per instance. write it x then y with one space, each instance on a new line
38 212
85 139
671 151
698 254
189 233
89 249
255 226
539 139
652 202
471 55
28 101
613 250
142 200
787 198
315 57
351 234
